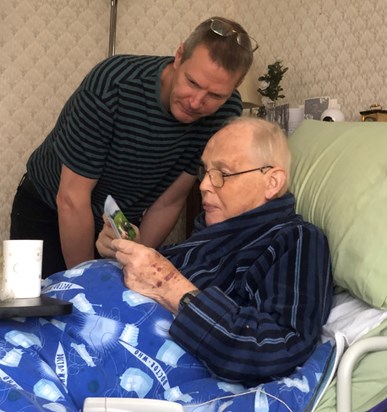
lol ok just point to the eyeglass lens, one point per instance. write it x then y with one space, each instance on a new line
215 175
221 27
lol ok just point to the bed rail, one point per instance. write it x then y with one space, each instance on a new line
347 363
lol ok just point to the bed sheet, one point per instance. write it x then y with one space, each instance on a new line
116 344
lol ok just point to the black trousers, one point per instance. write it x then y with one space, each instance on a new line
32 218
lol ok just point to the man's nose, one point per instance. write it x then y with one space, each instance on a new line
205 184
198 100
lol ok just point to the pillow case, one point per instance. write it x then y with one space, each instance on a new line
339 178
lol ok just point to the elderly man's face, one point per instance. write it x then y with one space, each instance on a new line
230 151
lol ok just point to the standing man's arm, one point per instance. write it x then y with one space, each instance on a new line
161 217
76 220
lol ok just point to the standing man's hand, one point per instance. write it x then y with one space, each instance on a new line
106 236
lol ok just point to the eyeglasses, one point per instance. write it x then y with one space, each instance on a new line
217 177
225 29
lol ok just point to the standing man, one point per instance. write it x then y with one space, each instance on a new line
135 128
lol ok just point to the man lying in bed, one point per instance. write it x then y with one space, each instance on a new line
252 286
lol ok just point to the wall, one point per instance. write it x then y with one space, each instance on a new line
334 48
46 47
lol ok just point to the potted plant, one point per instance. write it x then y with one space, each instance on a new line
270 88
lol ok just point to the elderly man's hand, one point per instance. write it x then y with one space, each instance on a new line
148 272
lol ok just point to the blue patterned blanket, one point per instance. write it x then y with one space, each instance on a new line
116 344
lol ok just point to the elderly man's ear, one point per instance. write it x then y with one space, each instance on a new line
276 183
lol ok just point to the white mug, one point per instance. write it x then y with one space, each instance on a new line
22 268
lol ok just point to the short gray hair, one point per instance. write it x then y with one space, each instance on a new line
270 142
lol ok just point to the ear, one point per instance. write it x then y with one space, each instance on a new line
178 56
275 183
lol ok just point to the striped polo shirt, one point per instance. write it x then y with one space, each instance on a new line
115 129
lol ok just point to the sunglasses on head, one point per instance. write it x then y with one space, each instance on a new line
224 29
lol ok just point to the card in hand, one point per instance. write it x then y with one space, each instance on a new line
120 224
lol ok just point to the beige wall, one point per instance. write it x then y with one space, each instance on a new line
335 48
